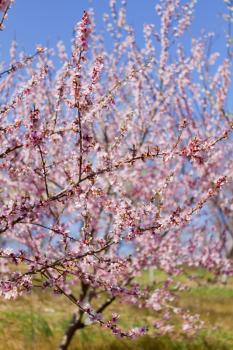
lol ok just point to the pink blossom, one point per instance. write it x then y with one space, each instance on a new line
4 4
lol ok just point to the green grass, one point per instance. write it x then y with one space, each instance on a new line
37 321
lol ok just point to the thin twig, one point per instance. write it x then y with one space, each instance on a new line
18 65
4 15
9 150
80 145
44 171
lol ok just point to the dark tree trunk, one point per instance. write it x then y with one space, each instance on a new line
74 325
76 321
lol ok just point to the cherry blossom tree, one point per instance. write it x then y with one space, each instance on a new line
110 165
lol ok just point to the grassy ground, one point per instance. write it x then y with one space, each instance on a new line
37 322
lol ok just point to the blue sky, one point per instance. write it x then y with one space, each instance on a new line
46 21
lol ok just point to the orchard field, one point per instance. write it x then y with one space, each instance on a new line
38 321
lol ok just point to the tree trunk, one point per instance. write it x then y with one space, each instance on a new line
74 325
